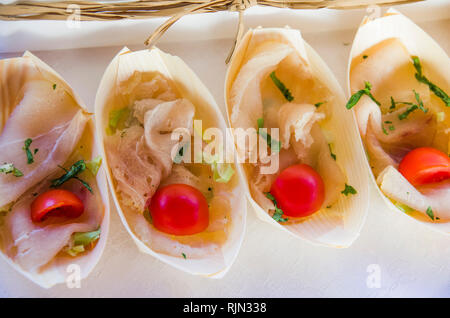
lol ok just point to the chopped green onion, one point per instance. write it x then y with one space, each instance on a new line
54 86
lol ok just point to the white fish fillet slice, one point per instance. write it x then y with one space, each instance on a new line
297 120
395 186
245 93
62 142
160 122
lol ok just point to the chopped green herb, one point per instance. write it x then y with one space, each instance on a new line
286 93
354 99
30 158
36 151
222 172
275 145
148 216
80 240
420 102
392 104
318 104
54 86
74 170
408 111
391 127
435 89
430 213
328 206
384 130
184 255
388 122
94 165
404 208
260 122
116 116
278 214
75 250
348 190
9 168
331 152
365 56
85 238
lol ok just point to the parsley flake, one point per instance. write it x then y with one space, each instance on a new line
10 168
286 92
26 147
318 104
349 190
278 214
430 213
435 89
74 170
275 145
354 99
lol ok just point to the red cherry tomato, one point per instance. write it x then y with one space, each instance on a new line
179 209
425 165
298 190
56 202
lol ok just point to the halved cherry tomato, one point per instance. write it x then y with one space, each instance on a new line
179 209
425 165
298 190
56 202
